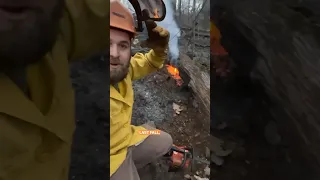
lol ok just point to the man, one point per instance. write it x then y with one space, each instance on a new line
129 149
37 38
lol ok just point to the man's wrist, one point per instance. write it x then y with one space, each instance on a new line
160 52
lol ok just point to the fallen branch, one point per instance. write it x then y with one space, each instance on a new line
199 81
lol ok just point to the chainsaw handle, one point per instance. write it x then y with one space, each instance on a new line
181 150
175 148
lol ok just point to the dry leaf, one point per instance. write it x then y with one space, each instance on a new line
177 108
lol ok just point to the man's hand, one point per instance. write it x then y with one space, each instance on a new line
158 38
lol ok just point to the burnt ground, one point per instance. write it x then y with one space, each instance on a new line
154 98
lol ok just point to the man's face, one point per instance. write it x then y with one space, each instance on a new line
28 30
120 55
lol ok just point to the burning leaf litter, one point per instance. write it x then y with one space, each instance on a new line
173 71
175 74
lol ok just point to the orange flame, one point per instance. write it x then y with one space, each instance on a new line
156 13
175 74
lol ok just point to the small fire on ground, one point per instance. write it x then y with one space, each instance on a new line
175 74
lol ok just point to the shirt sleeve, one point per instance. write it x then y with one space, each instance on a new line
143 64
84 27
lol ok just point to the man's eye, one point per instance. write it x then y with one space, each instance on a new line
122 46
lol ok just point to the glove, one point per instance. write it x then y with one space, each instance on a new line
158 38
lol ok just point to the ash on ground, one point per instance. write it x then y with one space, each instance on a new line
155 98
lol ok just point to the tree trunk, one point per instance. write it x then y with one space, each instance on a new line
180 9
199 81
189 13
193 25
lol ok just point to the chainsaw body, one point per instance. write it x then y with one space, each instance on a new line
180 158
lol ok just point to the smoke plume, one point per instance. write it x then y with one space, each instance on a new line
171 25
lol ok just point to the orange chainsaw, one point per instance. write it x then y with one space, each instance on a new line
182 158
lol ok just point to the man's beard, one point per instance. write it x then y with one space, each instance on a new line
117 75
26 44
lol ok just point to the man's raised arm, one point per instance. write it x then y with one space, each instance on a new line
143 64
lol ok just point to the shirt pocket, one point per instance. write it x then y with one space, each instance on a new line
115 111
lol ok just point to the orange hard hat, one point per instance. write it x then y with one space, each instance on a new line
121 17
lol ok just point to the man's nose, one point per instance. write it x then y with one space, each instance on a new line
114 51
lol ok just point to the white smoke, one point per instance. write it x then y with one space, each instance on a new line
171 25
